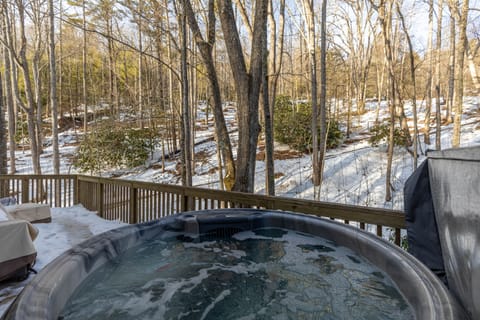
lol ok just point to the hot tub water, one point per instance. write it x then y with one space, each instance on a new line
260 274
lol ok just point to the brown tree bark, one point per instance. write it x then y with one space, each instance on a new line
53 90
438 111
460 57
414 91
428 107
206 51
9 101
3 141
451 62
247 85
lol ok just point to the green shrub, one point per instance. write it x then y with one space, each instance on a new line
293 125
380 133
111 147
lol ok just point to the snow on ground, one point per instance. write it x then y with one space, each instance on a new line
69 227
354 174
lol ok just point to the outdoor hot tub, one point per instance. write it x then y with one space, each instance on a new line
236 264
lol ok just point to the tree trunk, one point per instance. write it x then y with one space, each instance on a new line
458 93
186 137
84 70
471 54
414 91
323 93
428 88
247 85
30 108
37 83
311 44
385 17
451 65
53 91
3 141
268 131
171 99
438 116
140 68
9 101
206 50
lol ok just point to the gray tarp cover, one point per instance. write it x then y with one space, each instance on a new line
454 178
423 239
455 184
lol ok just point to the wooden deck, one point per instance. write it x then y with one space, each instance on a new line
135 202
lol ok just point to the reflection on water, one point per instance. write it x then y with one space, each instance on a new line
265 274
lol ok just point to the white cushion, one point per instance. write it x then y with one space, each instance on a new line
3 213
3 216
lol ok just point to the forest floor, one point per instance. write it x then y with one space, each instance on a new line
354 174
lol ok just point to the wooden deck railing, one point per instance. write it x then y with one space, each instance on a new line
135 201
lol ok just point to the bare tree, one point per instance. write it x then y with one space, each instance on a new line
206 49
3 142
186 137
471 54
428 88
438 42
20 59
452 5
53 89
247 85
384 9
84 68
414 87
309 16
462 18
9 101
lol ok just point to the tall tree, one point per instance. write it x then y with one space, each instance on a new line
3 141
186 133
452 5
384 10
428 88
414 86
205 48
19 57
462 18
9 101
267 115
247 85
438 48
53 89
323 93
84 67
309 15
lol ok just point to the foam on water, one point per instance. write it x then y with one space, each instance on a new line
260 274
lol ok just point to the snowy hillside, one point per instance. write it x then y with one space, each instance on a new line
354 173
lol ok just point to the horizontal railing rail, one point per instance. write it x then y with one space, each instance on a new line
136 201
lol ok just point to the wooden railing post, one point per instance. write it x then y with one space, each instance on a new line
76 185
25 190
184 202
133 205
4 192
100 198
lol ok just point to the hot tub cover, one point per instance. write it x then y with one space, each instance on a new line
448 210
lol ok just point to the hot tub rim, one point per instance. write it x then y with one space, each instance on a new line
439 305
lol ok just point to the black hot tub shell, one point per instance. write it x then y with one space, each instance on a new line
46 295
